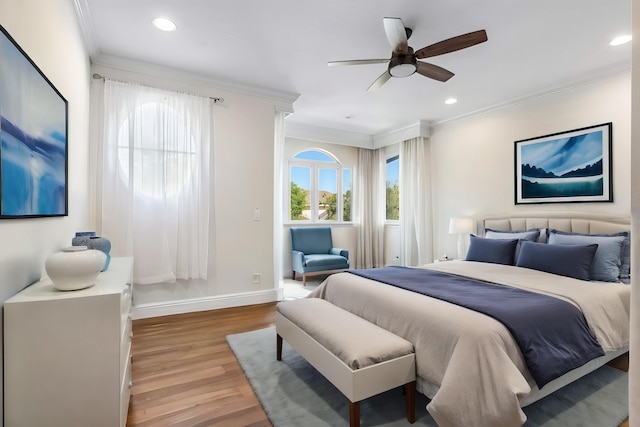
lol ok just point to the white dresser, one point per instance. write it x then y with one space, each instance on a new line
67 355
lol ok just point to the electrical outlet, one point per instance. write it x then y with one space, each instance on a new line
256 278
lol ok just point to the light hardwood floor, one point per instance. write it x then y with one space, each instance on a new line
185 374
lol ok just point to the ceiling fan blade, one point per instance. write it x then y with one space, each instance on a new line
357 62
433 71
396 34
382 79
452 44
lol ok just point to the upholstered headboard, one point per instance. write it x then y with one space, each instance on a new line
593 224
571 223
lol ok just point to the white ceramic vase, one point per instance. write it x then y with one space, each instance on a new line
74 268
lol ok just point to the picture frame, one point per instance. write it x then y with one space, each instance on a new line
565 167
34 142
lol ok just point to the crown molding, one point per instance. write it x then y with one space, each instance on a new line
332 136
85 21
134 66
421 128
604 74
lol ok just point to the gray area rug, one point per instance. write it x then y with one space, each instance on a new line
294 394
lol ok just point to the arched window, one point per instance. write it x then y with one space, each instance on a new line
319 188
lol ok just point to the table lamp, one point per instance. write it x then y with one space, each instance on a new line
462 227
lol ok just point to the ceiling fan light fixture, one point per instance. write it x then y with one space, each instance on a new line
403 66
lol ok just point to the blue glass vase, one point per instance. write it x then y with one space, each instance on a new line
102 244
91 241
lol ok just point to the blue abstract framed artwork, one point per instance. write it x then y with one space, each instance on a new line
572 166
33 129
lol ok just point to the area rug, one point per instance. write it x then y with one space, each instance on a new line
294 394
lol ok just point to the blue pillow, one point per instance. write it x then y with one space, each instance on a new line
625 254
565 260
531 235
496 251
607 261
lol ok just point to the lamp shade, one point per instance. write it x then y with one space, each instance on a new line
461 226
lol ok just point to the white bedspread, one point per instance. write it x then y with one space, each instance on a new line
471 366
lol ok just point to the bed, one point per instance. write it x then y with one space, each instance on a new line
468 363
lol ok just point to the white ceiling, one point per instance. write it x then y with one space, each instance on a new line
534 46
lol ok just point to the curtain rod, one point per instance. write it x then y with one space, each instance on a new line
97 76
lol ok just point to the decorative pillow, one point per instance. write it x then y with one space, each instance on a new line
531 235
608 258
496 251
625 254
565 260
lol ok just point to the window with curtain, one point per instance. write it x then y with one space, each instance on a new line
154 180
319 188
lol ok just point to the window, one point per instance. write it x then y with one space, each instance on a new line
154 179
168 159
319 188
393 188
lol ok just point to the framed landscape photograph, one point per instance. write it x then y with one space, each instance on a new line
33 130
571 166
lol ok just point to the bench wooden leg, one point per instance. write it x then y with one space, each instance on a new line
410 395
354 414
278 347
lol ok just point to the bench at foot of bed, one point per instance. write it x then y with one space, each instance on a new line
359 358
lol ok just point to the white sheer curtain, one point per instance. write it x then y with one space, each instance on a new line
153 180
415 202
369 208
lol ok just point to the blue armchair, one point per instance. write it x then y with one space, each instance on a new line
312 252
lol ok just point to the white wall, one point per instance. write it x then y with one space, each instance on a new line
473 164
48 32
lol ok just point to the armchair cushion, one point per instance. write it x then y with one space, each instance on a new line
326 262
311 240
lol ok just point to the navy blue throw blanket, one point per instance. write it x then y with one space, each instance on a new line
552 334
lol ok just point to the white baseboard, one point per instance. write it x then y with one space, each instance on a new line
207 303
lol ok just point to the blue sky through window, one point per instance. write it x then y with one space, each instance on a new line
393 166
346 180
327 179
314 155
301 176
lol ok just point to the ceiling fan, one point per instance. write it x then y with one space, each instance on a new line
404 61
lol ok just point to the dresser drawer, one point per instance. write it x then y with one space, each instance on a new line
125 393
125 345
86 334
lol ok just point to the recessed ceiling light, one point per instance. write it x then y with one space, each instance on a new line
164 24
451 101
620 40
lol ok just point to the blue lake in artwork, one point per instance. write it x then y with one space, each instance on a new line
33 172
562 187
